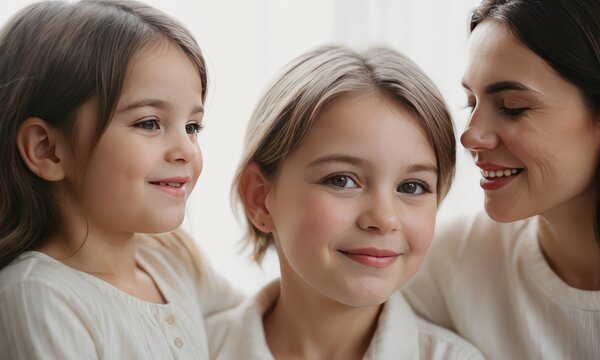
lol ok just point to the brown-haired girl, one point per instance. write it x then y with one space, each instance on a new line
100 106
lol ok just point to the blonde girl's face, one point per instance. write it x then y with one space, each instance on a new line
353 207
147 161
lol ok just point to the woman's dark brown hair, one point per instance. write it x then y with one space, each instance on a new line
566 34
54 56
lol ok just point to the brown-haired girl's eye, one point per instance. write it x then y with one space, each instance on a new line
150 124
193 128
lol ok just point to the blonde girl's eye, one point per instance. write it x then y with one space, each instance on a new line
193 128
414 188
148 125
341 181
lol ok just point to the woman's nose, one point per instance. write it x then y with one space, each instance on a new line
479 135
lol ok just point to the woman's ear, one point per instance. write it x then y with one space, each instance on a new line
37 143
253 189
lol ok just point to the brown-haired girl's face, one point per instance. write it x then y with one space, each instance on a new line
353 207
530 131
147 161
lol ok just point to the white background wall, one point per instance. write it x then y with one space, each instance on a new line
247 42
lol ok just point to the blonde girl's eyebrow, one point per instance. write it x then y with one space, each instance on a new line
425 167
353 160
155 103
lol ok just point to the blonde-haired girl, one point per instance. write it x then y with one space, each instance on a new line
347 158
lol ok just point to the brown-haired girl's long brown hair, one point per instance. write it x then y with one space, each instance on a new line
54 56
566 34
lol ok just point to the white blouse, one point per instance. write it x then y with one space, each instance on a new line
51 311
239 333
491 283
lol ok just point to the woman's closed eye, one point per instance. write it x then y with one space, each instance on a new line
470 106
513 113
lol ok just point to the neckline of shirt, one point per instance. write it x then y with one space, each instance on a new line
113 290
547 280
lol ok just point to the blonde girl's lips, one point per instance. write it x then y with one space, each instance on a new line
371 257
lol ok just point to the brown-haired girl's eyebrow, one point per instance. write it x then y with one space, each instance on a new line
155 103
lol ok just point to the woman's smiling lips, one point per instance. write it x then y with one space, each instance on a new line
372 257
496 176
174 186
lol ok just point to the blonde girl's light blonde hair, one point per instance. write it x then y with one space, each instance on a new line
310 83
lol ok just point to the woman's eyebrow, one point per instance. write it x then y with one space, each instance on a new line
503 86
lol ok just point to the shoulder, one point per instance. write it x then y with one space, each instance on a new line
229 324
174 249
36 289
38 285
459 237
44 306
176 259
436 342
34 270
239 331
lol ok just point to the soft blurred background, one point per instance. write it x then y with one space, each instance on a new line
247 42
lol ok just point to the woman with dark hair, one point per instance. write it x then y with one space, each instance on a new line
525 284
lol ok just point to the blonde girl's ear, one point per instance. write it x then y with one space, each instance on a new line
37 143
253 189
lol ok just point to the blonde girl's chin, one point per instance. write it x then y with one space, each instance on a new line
369 295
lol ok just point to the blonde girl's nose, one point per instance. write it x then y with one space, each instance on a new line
381 215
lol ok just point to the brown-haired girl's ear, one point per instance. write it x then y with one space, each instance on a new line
37 142
253 190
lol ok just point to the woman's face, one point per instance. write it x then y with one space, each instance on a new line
530 130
